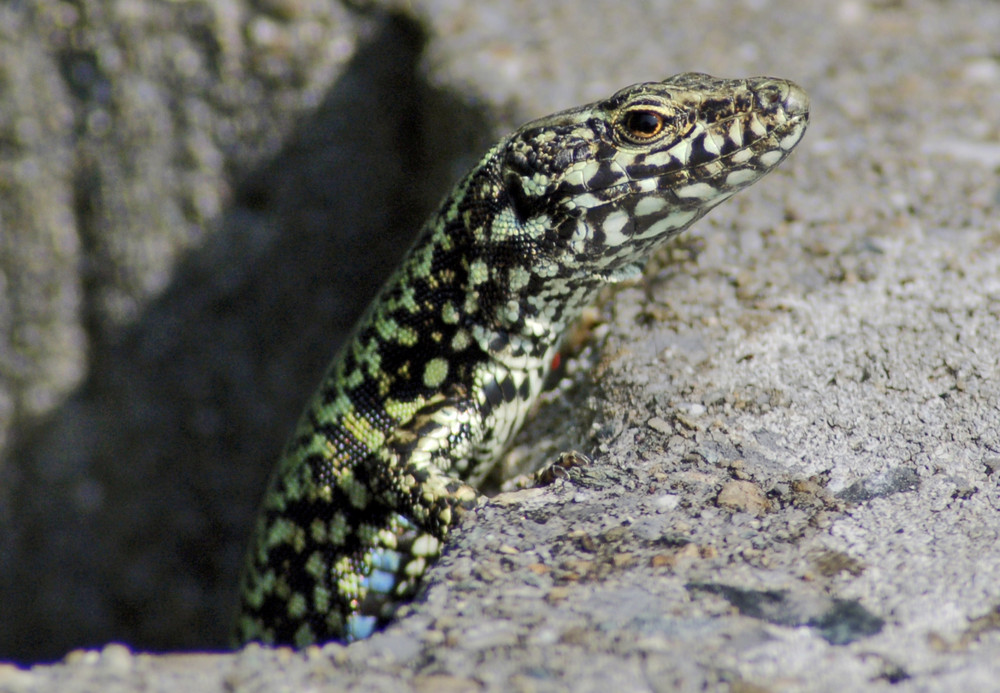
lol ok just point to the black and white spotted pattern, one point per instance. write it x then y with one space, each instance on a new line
442 369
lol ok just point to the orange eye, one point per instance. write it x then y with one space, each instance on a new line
643 125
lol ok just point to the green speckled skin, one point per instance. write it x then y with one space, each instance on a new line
442 368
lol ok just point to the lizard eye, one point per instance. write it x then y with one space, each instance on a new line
642 126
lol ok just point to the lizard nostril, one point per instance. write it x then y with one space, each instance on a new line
796 100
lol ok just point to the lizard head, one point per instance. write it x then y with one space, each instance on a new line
594 189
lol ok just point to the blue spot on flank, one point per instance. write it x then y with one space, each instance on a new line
387 560
359 627
381 581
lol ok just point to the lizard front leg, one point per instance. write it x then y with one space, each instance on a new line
343 541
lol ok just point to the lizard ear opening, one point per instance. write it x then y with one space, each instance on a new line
523 205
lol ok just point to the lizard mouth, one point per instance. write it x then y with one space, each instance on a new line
721 152
642 198
726 145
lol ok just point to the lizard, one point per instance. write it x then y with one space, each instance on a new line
442 368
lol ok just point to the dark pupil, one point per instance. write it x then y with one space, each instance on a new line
644 123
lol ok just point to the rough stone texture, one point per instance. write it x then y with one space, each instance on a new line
793 420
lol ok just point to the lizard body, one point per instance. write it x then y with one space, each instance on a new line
441 370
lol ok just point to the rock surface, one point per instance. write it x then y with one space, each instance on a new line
793 419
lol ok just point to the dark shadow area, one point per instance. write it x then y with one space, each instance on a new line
182 417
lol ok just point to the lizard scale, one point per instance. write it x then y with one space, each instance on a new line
440 371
